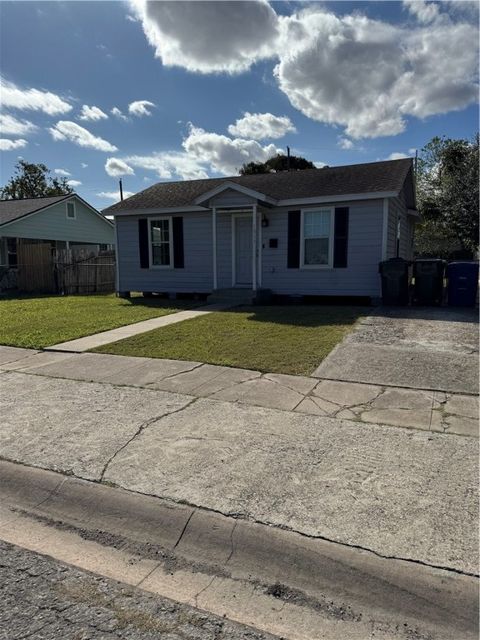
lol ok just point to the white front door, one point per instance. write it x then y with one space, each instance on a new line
242 260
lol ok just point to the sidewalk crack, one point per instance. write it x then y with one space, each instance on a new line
140 429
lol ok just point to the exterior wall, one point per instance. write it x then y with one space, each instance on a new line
195 277
397 210
359 278
231 198
53 224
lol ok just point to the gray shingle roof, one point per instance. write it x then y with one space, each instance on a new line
372 177
13 209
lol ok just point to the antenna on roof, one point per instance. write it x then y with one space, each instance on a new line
288 158
121 189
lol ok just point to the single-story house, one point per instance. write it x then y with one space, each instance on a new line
318 232
63 222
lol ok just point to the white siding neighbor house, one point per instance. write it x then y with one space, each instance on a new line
318 232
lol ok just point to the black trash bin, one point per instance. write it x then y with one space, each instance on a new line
428 275
462 284
394 275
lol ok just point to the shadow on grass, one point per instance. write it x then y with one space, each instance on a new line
303 315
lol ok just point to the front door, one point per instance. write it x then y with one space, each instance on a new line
243 250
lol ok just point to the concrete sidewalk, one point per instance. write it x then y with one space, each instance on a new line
364 403
113 335
404 493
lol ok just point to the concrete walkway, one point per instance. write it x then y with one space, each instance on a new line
113 335
363 403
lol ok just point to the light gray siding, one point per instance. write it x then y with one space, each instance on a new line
397 211
195 277
231 198
53 224
359 278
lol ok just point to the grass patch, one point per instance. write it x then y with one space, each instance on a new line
42 321
278 339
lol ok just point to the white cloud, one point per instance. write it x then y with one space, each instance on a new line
14 127
169 164
74 183
118 114
84 165
14 97
67 130
92 113
397 155
114 195
131 18
259 126
345 143
209 36
368 75
9 145
225 155
412 151
62 172
320 165
116 167
424 12
140 108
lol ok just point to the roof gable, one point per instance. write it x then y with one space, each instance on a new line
13 210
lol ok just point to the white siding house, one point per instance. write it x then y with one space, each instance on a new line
319 232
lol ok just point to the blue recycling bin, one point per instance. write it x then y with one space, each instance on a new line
462 284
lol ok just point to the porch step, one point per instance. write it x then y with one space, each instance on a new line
238 297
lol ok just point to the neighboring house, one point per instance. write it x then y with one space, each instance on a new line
318 232
60 221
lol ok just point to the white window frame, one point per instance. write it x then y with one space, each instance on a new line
74 217
331 210
170 242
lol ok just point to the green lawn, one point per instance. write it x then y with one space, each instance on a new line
281 339
41 321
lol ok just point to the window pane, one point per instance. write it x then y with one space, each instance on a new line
316 251
160 231
161 254
316 224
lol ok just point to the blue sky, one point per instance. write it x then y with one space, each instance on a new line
339 82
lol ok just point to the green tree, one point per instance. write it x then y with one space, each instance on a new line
33 181
279 162
448 197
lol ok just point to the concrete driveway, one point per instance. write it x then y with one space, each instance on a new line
421 348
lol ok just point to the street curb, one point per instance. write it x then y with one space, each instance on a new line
325 583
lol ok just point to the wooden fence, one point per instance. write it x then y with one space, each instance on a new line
35 268
84 271
67 271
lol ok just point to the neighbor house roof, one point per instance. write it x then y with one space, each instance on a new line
373 177
13 209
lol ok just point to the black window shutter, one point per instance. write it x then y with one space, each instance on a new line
293 252
178 261
143 243
340 243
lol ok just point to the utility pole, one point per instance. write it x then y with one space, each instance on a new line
288 158
121 189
